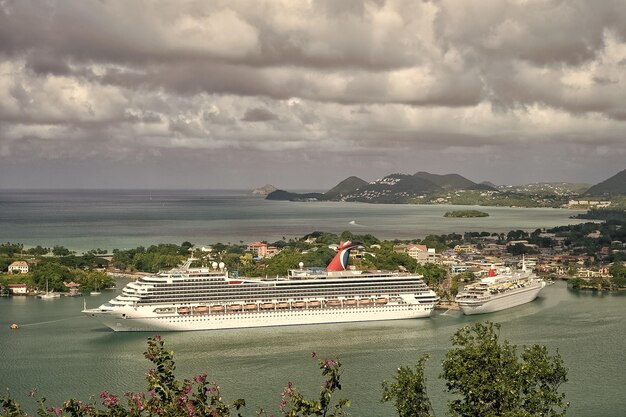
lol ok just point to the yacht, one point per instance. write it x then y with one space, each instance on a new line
500 290
187 298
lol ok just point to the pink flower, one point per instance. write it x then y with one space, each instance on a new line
55 410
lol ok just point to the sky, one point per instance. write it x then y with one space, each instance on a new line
301 94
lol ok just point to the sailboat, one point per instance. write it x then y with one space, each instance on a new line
48 295
95 291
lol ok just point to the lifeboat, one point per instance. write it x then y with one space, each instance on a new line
217 309
313 304
297 304
14 326
267 306
282 305
349 302
164 310
333 303
200 310
250 307
183 310
234 307
381 301
365 301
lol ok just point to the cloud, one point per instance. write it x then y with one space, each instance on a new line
374 80
258 115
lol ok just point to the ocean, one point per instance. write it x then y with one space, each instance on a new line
82 220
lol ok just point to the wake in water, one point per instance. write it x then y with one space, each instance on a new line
50 321
354 223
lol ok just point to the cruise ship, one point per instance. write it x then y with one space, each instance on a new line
189 298
499 291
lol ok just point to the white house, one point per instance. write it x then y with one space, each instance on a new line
20 266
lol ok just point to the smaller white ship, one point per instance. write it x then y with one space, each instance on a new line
499 291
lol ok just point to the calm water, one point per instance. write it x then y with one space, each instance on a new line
63 354
83 220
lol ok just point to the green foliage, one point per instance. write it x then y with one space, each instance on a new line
519 249
408 392
54 273
618 275
153 259
294 404
493 381
10 249
466 213
433 274
60 251
38 251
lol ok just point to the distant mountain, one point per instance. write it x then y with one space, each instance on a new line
489 184
612 186
347 186
427 188
263 191
447 181
394 188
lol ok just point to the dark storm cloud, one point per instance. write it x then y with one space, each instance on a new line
258 115
376 81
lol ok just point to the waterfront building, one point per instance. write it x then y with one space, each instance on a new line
18 289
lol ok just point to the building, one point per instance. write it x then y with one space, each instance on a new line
18 266
258 249
18 289
262 250
422 254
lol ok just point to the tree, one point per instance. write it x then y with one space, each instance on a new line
294 404
618 275
492 380
408 392
60 251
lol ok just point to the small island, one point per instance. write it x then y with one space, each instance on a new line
466 213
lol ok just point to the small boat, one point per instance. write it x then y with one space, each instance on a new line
297 304
183 310
250 307
14 326
165 310
365 301
313 304
234 307
333 303
217 309
381 301
48 295
267 306
349 302
282 305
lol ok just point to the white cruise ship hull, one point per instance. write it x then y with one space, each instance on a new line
143 319
502 301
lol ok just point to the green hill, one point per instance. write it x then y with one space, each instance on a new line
615 185
347 186
447 181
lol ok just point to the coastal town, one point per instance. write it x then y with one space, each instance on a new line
589 255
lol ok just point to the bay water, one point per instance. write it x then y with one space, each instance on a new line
63 354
